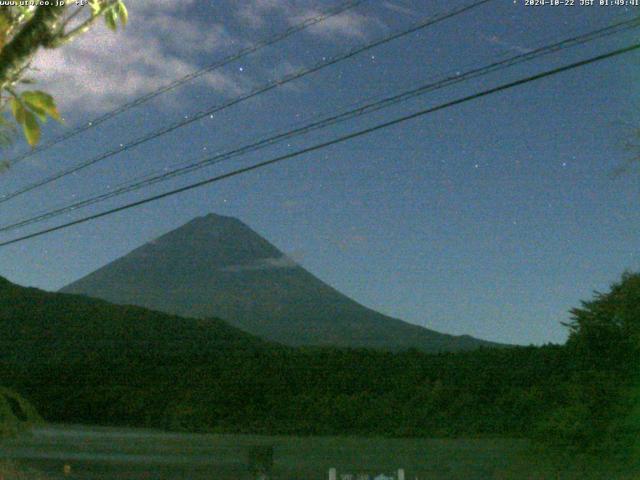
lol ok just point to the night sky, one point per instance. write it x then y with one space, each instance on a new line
492 218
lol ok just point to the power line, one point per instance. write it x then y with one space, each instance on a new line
254 93
326 144
151 179
189 77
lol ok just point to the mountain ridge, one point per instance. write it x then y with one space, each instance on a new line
218 266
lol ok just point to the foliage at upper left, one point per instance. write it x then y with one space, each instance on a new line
24 30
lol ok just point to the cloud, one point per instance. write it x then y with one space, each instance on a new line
103 69
187 37
347 24
163 41
263 264
254 13
399 8
283 69
503 43
257 13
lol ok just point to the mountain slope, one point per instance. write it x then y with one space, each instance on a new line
217 266
82 360
35 324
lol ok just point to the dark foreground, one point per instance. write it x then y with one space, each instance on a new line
105 453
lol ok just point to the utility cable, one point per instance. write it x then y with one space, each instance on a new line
326 144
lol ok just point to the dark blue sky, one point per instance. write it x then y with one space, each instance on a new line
491 218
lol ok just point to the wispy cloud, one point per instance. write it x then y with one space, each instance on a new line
496 40
396 7
164 41
347 24
256 13
104 69
263 264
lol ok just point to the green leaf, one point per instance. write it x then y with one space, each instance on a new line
110 18
95 7
18 110
31 128
123 13
42 116
42 104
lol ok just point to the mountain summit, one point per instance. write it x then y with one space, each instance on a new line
216 266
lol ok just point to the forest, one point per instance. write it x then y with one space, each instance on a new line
80 360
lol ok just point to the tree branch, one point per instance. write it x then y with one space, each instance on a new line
37 32
79 30
66 37
70 18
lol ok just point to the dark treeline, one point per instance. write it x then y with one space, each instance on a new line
87 361
311 392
